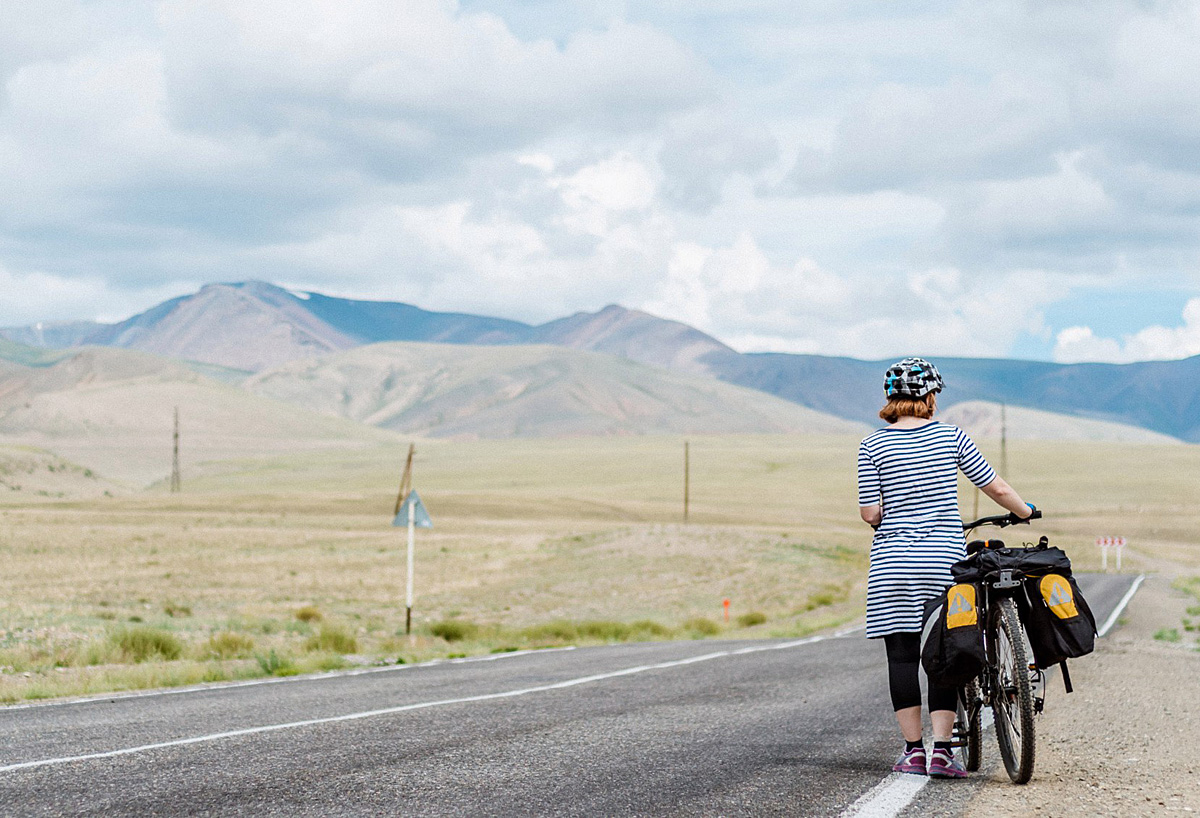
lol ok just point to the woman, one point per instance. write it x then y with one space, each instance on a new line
908 490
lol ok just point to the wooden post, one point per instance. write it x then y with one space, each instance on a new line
686 479
176 479
1004 440
405 479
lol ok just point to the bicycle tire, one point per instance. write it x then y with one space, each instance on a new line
1012 695
970 727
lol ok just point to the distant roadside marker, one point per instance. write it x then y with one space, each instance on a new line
1109 543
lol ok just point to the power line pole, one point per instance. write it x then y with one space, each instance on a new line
686 479
176 480
1004 440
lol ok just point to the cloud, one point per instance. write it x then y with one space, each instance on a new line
838 178
1154 343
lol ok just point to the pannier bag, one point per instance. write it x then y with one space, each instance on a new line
952 638
1057 619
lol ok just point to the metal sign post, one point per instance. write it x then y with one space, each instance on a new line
413 514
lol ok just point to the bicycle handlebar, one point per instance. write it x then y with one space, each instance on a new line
1003 520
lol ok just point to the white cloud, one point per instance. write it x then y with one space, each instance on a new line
834 178
1154 343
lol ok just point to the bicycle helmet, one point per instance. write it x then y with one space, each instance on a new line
912 378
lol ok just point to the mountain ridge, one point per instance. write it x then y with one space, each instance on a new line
256 326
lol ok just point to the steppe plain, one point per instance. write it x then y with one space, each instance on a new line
283 563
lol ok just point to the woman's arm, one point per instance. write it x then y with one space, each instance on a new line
872 515
1006 496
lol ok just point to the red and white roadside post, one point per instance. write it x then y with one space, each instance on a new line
1109 543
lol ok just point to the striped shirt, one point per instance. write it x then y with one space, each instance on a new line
913 475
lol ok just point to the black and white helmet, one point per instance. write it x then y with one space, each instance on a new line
911 378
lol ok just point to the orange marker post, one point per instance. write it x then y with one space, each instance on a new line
726 605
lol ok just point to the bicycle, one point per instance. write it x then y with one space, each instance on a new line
1008 680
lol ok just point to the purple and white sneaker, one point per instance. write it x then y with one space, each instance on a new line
943 764
913 761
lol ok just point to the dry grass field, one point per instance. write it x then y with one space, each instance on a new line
282 564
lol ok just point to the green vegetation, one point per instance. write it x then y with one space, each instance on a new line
288 564
1167 635
332 639
143 643
749 620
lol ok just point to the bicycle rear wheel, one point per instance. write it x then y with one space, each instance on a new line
968 727
1012 697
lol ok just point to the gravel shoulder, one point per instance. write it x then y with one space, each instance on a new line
1127 741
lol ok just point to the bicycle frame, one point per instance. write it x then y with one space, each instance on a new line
1000 685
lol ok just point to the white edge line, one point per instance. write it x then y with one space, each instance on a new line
891 795
505 694
1117 611
888 797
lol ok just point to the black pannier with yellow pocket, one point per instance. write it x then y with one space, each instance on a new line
1057 619
952 638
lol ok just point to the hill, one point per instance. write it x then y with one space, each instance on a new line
253 326
111 411
982 420
525 391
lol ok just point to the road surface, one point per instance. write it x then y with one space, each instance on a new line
779 727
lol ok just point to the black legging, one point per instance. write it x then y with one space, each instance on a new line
904 657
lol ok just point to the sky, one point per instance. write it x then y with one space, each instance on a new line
845 178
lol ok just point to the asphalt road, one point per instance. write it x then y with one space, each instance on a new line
675 728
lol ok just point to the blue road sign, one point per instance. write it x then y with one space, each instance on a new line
421 518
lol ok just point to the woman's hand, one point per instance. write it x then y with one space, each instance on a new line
872 515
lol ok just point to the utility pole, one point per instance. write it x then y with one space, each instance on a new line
686 479
176 480
1004 440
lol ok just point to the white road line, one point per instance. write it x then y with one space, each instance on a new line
888 797
506 694
1112 618
891 795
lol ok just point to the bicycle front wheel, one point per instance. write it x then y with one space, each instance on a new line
1012 696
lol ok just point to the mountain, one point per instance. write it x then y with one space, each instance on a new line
111 411
635 335
526 391
253 326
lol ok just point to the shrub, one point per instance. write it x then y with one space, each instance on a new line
309 613
142 643
454 630
749 620
273 664
650 628
1167 635
333 640
172 610
228 645
702 626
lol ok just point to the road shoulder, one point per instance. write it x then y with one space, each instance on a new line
1127 741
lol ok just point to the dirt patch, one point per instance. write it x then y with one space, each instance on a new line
1127 741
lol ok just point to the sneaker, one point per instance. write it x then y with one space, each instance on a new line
943 764
913 761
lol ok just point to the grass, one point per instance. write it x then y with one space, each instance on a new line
289 564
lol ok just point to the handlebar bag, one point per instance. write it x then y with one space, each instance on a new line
952 636
1058 621
987 563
